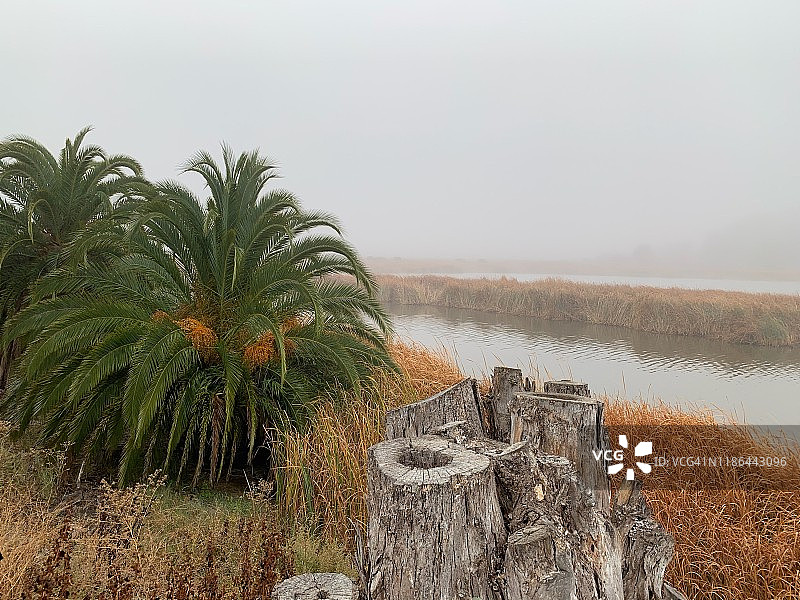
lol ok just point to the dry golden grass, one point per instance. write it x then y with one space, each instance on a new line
323 480
141 542
761 319
731 542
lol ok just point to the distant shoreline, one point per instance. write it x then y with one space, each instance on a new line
603 268
763 319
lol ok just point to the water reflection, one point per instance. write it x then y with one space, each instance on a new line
761 385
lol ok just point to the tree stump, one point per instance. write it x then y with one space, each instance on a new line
314 586
456 403
567 386
506 382
435 526
568 426
455 515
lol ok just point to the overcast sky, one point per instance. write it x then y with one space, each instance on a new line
529 130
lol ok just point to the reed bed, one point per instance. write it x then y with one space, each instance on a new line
738 317
732 540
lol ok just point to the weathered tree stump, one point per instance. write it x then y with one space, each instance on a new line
456 403
567 386
314 586
524 514
435 526
506 382
568 426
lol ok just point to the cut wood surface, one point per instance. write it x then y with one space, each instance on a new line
456 403
314 586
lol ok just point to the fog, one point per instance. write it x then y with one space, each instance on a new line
659 132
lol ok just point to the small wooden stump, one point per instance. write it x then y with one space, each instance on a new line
315 586
506 383
456 403
435 526
567 386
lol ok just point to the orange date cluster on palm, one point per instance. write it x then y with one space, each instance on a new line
204 339
201 337
266 348
263 351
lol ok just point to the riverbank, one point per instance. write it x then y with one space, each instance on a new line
736 317
154 541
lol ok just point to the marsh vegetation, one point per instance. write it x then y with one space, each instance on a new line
737 317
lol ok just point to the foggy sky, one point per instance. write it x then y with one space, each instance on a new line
449 129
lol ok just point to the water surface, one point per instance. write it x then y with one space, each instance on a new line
755 384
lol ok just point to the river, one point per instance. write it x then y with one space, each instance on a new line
754 384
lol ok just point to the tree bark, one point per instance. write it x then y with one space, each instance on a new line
456 403
435 526
566 386
560 545
568 426
646 547
313 586
506 382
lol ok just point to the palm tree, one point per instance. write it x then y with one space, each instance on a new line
221 318
44 204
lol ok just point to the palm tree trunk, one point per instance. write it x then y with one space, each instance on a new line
3 369
217 425
10 353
